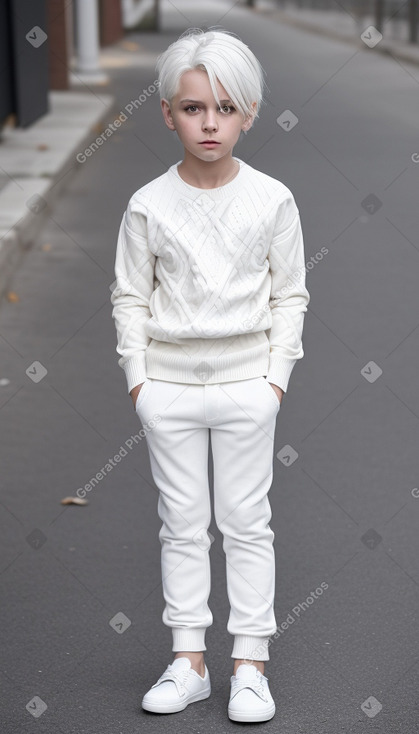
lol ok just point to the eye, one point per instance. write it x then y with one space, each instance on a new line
226 108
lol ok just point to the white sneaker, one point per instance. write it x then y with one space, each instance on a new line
250 698
179 686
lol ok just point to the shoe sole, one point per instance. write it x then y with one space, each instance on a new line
172 708
247 716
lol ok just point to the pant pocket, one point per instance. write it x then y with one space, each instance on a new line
273 396
144 392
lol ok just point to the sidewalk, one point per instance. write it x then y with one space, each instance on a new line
341 26
36 164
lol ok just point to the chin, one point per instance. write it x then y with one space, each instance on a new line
209 155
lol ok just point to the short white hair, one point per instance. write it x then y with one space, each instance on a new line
224 57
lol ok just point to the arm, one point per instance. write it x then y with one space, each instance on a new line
289 297
131 293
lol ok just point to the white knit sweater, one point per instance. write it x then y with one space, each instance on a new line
210 283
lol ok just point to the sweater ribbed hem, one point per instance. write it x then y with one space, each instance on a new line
188 639
180 367
251 648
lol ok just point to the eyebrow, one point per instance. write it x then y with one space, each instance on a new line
198 101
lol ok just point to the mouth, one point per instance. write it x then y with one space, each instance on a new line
209 142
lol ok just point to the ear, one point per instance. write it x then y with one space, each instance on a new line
248 122
167 114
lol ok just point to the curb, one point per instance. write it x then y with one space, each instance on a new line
39 161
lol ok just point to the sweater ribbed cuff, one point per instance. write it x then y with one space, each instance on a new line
279 371
135 370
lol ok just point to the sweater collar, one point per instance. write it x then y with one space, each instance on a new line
220 192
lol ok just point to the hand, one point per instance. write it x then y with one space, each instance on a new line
279 392
134 393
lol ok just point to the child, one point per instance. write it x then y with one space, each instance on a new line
209 303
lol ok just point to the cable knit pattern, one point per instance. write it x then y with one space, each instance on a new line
210 283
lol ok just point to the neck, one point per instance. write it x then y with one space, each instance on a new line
207 174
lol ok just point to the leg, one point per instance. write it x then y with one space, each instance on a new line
242 445
178 449
197 660
259 664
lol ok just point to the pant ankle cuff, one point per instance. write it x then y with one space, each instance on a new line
188 639
251 648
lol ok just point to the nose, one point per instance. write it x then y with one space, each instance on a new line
210 121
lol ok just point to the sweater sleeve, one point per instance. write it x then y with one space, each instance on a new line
131 292
289 297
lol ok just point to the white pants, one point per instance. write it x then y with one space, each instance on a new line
241 416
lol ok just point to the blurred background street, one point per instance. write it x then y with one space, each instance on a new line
82 635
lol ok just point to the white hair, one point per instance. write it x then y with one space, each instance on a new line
224 57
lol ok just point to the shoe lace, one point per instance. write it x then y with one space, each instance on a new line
179 678
255 685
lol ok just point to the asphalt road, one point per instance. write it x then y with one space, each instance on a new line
81 608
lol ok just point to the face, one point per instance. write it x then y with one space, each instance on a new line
196 117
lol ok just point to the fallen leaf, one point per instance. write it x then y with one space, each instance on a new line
46 247
12 297
42 146
130 45
74 501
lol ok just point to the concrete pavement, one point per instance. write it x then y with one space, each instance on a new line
36 164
